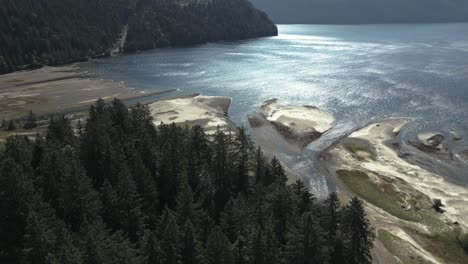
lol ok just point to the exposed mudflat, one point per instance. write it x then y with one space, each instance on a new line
56 89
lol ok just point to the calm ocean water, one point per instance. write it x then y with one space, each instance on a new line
359 73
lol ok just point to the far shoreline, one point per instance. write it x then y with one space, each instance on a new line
63 89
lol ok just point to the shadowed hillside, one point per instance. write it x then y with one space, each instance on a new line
52 32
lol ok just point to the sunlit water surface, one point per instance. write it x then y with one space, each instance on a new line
359 73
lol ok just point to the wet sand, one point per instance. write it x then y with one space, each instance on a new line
399 194
283 131
57 89
209 112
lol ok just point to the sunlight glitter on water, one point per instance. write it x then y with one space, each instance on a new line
358 73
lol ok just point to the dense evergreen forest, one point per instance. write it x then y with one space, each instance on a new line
120 190
53 32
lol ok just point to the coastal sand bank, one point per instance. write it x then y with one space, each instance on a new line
57 89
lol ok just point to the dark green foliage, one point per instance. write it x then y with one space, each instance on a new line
331 221
120 190
305 240
30 121
192 251
11 125
219 248
170 238
54 32
357 233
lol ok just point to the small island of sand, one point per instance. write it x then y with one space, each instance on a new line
209 112
298 124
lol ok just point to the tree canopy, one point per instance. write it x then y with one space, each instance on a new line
53 32
121 190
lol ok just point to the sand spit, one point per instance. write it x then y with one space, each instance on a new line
208 112
299 124
380 158
400 194
56 89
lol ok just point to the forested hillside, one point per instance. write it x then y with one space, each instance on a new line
119 190
54 32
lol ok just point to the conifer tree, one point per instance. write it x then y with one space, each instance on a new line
41 232
357 233
331 222
244 145
122 205
218 248
198 155
304 242
259 248
282 207
37 154
11 125
170 237
66 250
145 184
236 217
101 246
96 144
80 201
241 248
15 190
150 248
30 121
20 149
259 166
277 171
60 132
222 174
304 197
186 209
273 249
192 251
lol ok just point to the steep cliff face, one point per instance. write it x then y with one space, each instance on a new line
54 32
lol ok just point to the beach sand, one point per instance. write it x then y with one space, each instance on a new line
209 112
399 195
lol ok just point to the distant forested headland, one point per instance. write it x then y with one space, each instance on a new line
120 190
53 32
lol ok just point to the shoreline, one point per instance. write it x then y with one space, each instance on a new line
209 112
64 89
399 194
